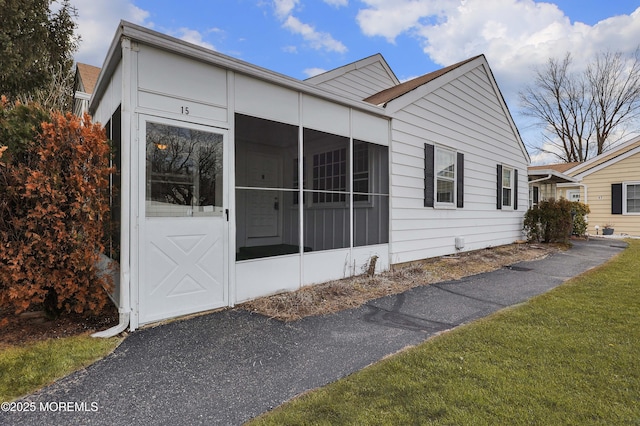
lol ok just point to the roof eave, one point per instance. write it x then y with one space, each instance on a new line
149 37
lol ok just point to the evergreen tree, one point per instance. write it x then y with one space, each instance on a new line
37 43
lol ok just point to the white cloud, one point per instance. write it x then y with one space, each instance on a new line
195 37
97 24
515 35
317 40
284 7
390 18
312 72
337 3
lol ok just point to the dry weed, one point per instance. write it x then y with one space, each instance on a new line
334 296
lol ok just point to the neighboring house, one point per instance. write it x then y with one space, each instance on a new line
83 85
238 182
609 183
544 181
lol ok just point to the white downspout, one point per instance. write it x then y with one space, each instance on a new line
124 309
583 186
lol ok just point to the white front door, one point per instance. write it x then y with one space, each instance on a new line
263 206
185 219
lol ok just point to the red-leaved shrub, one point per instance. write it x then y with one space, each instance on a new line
54 199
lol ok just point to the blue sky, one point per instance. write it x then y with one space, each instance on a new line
301 38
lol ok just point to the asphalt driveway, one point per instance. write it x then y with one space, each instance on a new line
228 367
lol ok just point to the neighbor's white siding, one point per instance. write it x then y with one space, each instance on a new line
465 115
361 82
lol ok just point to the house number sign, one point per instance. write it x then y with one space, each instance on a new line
184 110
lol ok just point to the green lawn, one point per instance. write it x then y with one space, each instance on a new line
570 356
26 368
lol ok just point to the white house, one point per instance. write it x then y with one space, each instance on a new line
238 182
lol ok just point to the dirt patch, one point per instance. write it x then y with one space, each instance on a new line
34 326
334 296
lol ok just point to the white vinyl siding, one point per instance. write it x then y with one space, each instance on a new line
360 83
464 114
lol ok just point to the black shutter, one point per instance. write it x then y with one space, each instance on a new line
460 181
616 198
499 188
515 189
536 195
428 175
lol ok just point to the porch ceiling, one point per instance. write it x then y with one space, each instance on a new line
549 176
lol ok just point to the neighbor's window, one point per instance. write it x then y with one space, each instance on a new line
507 187
632 197
445 169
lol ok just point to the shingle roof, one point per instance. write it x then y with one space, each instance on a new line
562 167
88 76
396 91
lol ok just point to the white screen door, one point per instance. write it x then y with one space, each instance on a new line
183 235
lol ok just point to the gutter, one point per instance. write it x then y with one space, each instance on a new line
540 180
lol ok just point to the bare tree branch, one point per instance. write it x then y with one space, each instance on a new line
579 113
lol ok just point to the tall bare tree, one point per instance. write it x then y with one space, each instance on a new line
615 90
580 112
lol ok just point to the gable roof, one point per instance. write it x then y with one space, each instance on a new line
551 173
398 97
561 167
607 158
345 69
387 95
87 76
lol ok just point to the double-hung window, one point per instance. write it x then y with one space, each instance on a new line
445 168
632 198
507 188
443 177
330 174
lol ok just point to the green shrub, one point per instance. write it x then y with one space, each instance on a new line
579 212
549 222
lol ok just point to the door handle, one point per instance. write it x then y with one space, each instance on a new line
276 204
226 211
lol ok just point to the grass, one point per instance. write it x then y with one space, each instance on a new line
26 368
570 357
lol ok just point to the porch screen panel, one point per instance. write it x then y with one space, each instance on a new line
327 167
267 188
114 134
370 193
